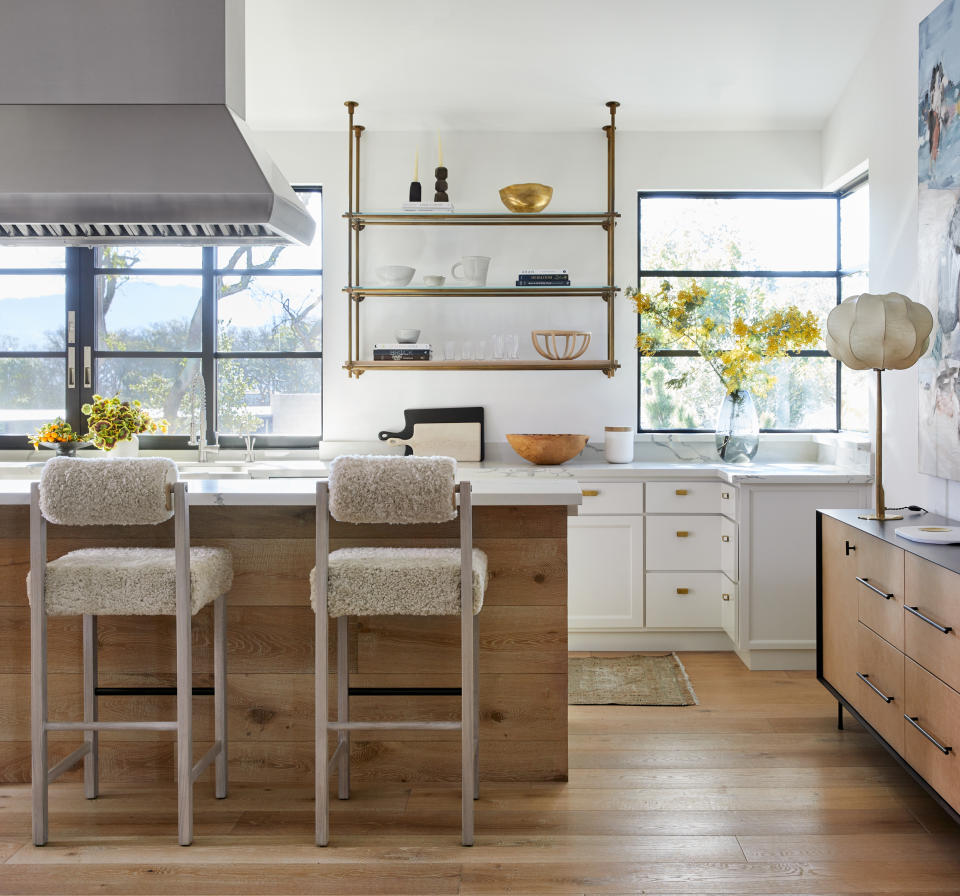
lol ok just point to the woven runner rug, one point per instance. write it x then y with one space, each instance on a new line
634 679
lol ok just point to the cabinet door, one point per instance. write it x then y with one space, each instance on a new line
839 544
605 572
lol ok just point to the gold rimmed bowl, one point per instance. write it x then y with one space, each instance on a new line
525 199
560 345
547 449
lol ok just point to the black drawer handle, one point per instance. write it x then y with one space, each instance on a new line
866 680
913 721
848 548
946 629
874 588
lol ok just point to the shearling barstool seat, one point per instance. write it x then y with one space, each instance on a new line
369 581
128 581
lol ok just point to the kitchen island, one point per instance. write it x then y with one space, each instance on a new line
268 525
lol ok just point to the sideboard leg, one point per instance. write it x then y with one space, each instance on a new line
839 716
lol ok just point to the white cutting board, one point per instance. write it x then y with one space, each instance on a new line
460 441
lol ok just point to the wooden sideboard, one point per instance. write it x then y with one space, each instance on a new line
888 641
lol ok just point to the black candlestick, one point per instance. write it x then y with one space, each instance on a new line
441 185
415 191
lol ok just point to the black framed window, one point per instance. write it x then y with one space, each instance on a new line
754 251
231 333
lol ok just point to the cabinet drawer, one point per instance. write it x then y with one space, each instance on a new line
683 542
879 584
728 548
691 497
879 694
729 599
932 591
603 498
935 707
685 600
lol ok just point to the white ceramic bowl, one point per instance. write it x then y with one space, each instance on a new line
395 275
407 336
434 280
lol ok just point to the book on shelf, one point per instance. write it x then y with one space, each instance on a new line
544 271
403 346
392 354
559 281
542 278
427 206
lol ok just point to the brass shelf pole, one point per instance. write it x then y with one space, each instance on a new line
611 130
351 105
358 130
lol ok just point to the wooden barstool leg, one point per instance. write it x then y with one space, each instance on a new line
91 762
184 669
321 671
476 709
220 691
467 667
38 668
343 707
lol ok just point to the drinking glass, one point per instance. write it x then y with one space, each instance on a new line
497 347
511 346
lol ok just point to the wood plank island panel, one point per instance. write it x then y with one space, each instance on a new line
523 652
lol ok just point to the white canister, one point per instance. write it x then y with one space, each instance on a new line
618 444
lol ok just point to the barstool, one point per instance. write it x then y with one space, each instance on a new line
371 581
176 581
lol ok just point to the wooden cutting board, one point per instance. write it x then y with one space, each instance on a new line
447 432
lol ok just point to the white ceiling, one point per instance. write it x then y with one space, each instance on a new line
550 64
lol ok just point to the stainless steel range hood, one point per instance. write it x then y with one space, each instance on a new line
121 154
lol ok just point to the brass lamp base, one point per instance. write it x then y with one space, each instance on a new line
880 516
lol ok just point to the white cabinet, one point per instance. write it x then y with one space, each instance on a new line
684 599
605 572
683 542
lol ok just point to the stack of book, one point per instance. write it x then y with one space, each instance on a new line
543 277
402 351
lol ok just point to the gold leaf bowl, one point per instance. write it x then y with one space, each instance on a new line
547 449
526 199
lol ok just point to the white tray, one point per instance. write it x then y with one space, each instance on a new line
930 534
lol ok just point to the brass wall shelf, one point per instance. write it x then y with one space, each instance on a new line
357 221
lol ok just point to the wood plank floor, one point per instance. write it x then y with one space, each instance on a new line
754 791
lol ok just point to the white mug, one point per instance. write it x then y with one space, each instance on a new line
474 270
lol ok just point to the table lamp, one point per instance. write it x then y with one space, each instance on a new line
879 332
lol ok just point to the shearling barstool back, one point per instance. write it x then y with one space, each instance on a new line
176 581
371 581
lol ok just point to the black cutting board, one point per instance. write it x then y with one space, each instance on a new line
413 416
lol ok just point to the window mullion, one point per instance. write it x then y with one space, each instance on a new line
208 337
81 270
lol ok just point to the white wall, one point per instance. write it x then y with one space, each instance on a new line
479 163
876 120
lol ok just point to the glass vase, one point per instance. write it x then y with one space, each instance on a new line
738 428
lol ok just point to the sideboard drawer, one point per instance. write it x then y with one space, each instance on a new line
931 591
605 498
879 583
688 497
880 679
934 707
683 542
685 600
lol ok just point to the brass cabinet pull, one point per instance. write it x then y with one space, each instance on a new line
866 680
683 591
946 629
913 721
724 538
725 496
884 594
680 491
682 534
725 597
591 492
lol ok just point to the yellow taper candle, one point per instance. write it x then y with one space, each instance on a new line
416 166
440 150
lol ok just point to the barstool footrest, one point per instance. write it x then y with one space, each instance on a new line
404 692
393 726
149 691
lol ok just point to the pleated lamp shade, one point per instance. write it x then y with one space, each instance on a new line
879 332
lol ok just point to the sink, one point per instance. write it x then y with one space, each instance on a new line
212 471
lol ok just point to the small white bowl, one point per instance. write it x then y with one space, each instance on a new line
395 275
434 280
407 336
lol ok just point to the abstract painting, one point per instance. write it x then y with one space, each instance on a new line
939 238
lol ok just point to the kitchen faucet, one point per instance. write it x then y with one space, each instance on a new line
198 421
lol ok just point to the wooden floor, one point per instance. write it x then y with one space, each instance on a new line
754 791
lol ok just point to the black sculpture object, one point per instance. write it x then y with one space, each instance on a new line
441 185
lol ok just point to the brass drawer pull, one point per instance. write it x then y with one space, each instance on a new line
683 591
724 538
885 595
680 491
866 680
682 534
946 629
591 492
725 496
725 597
913 721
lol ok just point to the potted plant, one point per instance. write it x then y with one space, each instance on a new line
57 434
736 350
114 425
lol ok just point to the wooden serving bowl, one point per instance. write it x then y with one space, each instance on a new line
547 449
560 345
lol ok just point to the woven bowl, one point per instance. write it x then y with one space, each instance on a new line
526 199
547 449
